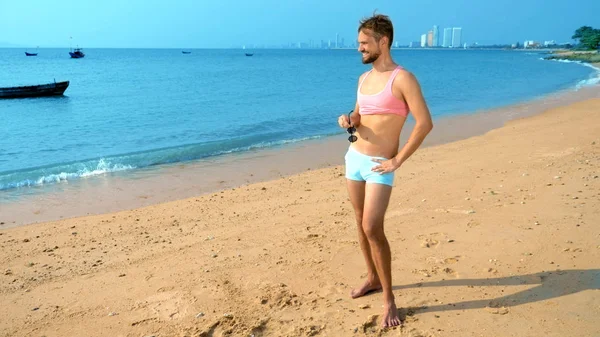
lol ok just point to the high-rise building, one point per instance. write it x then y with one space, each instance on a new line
531 44
447 42
430 38
424 40
456 37
436 36
337 36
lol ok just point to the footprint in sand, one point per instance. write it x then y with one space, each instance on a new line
435 260
209 331
399 212
259 328
449 271
368 326
472 223
429 243
435 269
451 260
497 311
418 333
432 240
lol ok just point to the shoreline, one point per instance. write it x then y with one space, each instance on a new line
150 186
590 57
493 233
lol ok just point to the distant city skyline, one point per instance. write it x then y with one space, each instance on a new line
451 38
234 23
456 37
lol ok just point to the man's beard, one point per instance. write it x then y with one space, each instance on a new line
371 58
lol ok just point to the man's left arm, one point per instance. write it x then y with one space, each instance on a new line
411 90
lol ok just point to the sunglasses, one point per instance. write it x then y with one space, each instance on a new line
351 130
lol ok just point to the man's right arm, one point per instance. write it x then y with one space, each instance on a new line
355 116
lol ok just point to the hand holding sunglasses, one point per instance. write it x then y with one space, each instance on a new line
351 130
346 122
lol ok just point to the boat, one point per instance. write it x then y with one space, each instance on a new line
50 89
186 52
247 54
76 53
32 54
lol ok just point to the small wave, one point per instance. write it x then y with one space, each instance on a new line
563 61
559 60
90 168
589 65
264 145
593 80
588 83
103 166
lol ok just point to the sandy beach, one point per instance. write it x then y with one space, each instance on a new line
494 235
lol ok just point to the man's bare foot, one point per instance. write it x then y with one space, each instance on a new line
390 316
368 287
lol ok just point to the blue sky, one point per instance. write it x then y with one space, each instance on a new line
232 23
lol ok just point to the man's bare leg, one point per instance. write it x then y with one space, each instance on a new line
377 197
356 190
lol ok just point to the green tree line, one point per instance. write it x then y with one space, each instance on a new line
589 38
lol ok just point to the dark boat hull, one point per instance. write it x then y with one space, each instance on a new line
76 55
30 54
51 89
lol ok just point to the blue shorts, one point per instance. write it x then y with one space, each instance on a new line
358 168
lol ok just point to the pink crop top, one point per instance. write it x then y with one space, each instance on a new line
383 102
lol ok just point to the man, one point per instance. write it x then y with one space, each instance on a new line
385 95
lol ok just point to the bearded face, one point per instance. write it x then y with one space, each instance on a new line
370 56
368 47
